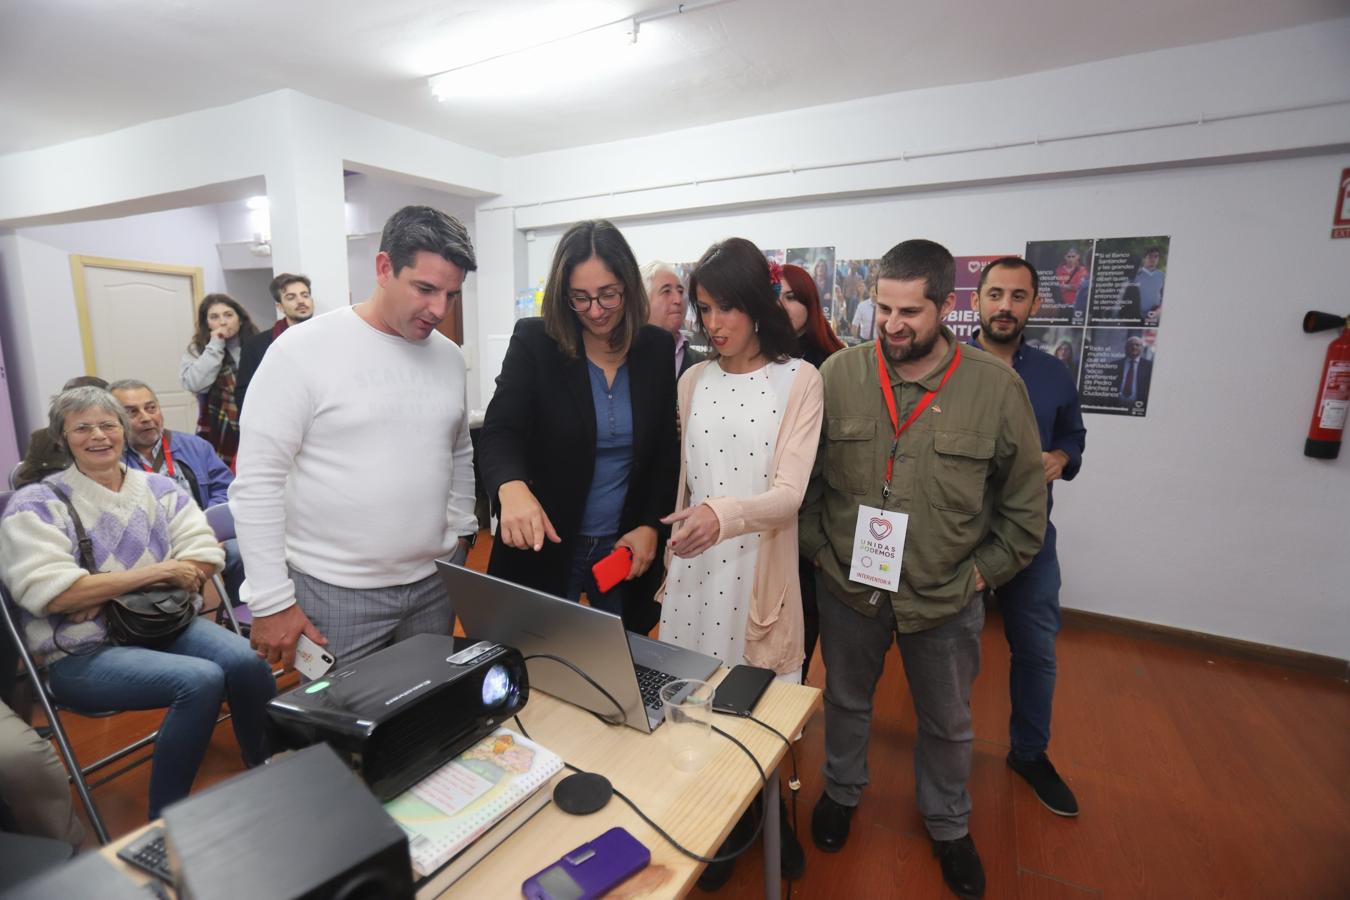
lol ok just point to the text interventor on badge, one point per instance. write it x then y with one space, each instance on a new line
878 548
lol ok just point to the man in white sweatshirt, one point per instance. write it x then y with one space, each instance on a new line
355 470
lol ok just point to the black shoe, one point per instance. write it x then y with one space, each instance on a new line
961 867
791 858
829 824
718 874
1050 789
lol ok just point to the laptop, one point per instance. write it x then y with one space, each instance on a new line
633 668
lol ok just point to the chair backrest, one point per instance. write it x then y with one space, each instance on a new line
14 475
221 520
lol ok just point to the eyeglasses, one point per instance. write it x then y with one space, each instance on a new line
609 298
85 430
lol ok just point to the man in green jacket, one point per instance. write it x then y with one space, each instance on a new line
929 455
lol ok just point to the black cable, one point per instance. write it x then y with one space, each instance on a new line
794 783
622 717
763 777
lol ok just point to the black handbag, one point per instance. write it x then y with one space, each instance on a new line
149 617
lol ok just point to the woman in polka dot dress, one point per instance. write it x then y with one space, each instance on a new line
750 422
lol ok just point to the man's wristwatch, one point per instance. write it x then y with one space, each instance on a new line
469 540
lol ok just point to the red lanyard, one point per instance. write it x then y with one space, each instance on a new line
168 456
889 396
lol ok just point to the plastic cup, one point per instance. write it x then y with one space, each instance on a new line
688 708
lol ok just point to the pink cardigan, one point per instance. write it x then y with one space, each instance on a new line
773 634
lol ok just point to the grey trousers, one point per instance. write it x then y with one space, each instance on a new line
357 622
940 665
33 782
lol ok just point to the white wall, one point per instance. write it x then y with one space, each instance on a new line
371 199
251 287
36 261
298 144
1204 514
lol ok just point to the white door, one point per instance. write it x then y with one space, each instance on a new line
138 320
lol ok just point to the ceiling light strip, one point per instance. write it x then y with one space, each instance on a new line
635 21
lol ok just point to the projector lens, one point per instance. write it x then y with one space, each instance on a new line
496 686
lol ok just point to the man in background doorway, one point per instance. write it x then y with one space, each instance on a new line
355 470
294 303
1007 296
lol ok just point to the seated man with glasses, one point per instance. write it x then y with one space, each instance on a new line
579 449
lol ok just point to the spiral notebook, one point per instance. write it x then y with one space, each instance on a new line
444 812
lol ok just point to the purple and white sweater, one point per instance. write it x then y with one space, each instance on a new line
148 521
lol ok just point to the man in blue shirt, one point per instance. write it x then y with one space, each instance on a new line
186 458
1006 298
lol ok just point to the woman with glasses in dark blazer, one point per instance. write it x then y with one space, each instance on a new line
579 450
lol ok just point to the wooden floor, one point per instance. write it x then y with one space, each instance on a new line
1198 776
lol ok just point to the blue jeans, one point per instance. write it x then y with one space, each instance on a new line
203 666
590 550
1030 606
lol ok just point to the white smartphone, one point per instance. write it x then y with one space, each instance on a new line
311 660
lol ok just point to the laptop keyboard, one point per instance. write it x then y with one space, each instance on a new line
650 682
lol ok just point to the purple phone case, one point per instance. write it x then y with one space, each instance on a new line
594 867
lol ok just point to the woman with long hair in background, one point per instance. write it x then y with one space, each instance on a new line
209 367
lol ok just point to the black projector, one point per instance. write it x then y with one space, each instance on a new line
397 715
300 828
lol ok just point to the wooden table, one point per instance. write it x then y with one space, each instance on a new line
698 809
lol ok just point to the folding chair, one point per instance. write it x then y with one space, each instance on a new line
221 521
52 709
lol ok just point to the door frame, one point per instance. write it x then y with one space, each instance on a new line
78 263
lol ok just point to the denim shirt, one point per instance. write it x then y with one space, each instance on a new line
613 451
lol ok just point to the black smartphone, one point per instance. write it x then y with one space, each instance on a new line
741 689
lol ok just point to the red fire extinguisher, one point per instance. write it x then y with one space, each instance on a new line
1333 396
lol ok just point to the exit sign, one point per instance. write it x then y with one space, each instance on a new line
1340 222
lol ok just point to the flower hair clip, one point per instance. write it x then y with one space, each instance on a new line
776 277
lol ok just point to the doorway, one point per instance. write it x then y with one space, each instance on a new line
136 318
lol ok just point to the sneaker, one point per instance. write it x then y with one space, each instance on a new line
1050 789
961 867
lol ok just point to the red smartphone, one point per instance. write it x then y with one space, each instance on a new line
612 569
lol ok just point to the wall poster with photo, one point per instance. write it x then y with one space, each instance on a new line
819 261
855 317
1101 305
1127 281
1065 272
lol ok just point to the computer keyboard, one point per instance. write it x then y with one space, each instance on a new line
650 682
149 854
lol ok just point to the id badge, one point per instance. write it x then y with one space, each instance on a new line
878 547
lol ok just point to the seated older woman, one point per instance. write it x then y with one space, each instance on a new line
145 530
